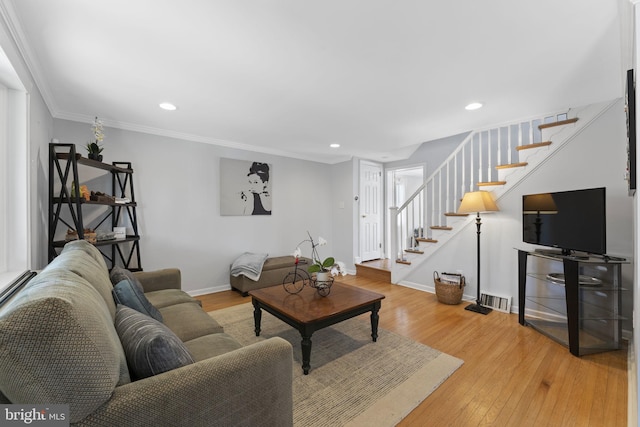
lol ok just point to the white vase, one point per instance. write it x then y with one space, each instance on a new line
323 276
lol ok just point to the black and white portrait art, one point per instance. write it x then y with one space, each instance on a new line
245 187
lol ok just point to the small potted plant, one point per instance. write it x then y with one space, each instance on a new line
94 151
324 269
93 147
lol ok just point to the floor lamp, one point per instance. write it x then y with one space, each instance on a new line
478 201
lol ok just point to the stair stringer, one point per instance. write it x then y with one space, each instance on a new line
560 137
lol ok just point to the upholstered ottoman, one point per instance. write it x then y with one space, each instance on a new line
273 272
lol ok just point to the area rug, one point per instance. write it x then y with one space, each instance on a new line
353 380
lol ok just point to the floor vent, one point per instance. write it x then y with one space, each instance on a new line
497 302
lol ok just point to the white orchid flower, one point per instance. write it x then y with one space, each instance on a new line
98 130
339 268
297 253
321 241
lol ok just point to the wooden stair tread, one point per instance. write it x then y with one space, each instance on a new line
440 227
512 165
371 267
558 123
399 261
485 184
455 214
534 145
414 251
426 240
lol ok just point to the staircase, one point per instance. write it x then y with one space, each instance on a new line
375 270
492 159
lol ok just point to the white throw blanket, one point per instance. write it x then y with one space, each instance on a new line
249 265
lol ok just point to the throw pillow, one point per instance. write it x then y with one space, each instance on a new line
127 293
118 274
150 347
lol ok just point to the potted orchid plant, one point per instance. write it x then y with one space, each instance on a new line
93 147
324 269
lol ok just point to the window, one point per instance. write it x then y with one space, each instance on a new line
14 178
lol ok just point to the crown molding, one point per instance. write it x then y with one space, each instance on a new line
12 23
83 118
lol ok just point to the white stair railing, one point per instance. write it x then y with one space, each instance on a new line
472 162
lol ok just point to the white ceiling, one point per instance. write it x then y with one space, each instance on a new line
290 77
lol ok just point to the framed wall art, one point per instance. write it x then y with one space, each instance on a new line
245 187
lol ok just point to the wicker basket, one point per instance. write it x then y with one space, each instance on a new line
448 293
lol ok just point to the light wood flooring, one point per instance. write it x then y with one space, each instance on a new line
512 375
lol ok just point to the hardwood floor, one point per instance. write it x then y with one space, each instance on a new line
512 375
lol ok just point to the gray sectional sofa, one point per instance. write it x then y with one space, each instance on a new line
64 340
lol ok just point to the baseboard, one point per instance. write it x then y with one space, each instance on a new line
429 288
209 290
418 286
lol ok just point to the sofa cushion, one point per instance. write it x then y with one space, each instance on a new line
59 344
167 297
166 278
189 321
86 261
88 249
118 274
211 345
127 293
150 347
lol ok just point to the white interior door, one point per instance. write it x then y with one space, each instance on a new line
370 210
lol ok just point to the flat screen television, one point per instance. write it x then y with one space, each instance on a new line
567 220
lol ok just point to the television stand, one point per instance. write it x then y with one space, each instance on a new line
573 301
562 253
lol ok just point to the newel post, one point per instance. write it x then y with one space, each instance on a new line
394 235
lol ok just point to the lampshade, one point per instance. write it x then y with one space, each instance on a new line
539 203
477 201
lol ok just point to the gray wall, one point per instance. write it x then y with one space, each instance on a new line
177 185
430 154
342 207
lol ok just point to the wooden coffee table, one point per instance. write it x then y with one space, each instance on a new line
308 312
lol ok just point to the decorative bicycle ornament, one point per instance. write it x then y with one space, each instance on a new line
295 280
321 279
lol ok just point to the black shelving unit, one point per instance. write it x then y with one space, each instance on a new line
66 209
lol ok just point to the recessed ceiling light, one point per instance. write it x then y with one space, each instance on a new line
473 106
334 145
168 106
